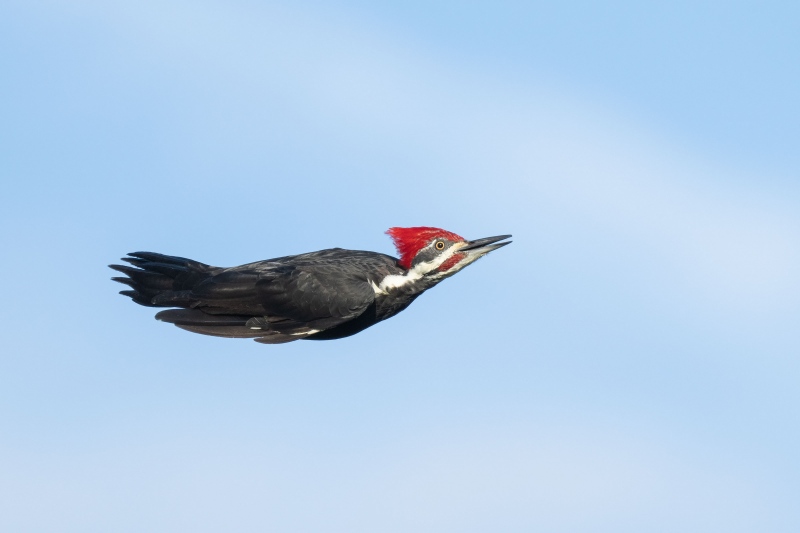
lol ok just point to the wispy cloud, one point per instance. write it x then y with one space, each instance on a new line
564 476
732 245
577 182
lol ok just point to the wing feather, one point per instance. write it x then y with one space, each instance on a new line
316 296
310 293
276 300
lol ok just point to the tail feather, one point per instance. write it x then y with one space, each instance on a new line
153 257
145 278
134 261
171 271
156 280
138 297
125 281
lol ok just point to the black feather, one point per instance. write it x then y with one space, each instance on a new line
320 295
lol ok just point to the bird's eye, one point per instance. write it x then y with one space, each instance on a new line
439 245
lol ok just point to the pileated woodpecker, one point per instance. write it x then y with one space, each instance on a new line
321 295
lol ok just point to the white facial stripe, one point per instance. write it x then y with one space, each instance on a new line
395 281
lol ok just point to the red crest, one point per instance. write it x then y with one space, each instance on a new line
409 241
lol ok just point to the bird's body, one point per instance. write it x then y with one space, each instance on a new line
321 295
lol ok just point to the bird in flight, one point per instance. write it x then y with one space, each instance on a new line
324 295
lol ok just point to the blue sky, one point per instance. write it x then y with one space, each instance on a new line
630 363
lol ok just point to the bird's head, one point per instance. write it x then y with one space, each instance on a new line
436 253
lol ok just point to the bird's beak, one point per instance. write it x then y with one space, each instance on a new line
467 252
485 245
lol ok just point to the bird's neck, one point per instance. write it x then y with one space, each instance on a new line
412 281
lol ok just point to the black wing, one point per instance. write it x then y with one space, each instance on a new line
281 303
307 293
277 300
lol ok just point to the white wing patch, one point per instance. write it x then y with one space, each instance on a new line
309 332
